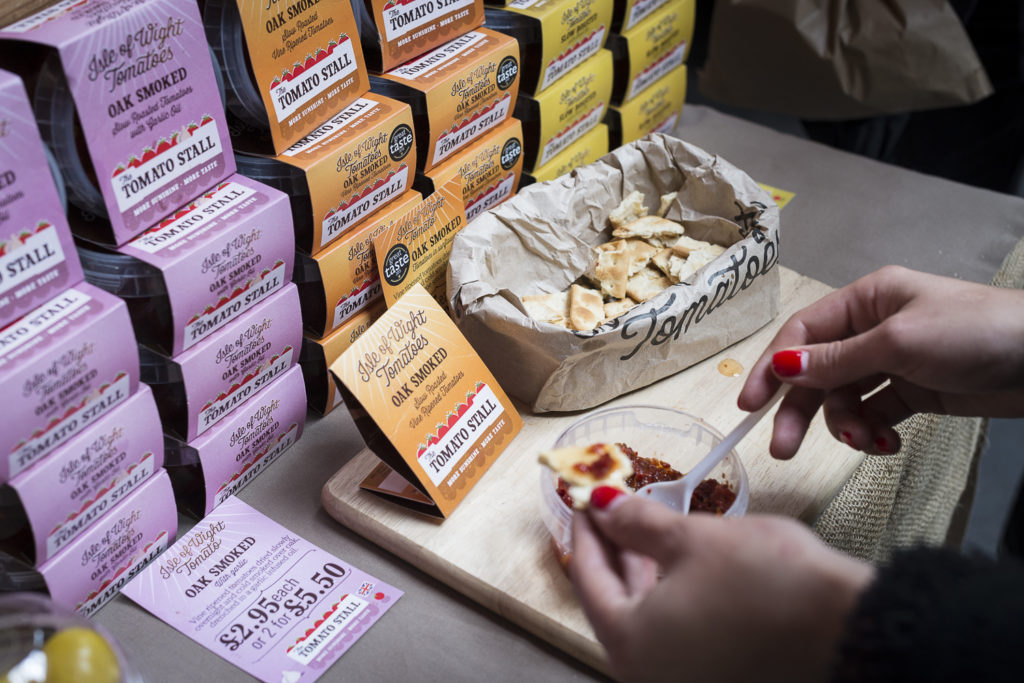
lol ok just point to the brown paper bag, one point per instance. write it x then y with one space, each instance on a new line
839 60
540 241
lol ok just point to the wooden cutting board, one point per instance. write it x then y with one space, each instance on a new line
496 550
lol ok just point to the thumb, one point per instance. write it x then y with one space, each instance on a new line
644 527
837 363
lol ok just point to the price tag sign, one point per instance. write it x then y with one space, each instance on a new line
266 600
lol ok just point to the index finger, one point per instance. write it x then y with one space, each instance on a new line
838 315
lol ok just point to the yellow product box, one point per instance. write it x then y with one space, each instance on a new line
655 110
425 404
416 247
651 49
557 35
342 280
489 169
395 31
629 13
589 148
287 65
322 394
560 115
357 162
458 91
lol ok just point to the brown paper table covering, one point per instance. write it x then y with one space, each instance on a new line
879 214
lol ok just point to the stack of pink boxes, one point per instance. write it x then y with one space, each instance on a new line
200 260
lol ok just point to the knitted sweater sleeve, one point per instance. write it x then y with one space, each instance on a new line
935 615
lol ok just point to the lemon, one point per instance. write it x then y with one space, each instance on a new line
80 655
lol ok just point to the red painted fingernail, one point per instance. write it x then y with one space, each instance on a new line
789 363
883 445
847 438
602 496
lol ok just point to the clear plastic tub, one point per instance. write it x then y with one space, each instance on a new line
43 642
140 285
678 438
289 180
186 472
224 32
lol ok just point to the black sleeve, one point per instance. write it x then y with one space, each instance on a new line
935 615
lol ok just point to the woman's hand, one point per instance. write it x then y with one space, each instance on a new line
754 598
944 346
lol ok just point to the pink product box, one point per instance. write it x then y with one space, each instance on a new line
37 255
68 491
202 386
99 563
135 83
62 366
202 267
219 463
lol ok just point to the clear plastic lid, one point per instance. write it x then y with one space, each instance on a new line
224 32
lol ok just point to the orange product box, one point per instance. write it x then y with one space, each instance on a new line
357 162
287 65
489 168
416 247
425 404
342 280
457 92
317 355
395 31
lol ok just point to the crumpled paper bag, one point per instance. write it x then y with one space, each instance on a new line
839 60
540 241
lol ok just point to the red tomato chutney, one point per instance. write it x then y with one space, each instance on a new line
710 495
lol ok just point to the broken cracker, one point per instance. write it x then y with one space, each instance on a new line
647 227
629 209
666 203
613 309
586 308
611 268
549 308
640 253
584 468
647 284
686 244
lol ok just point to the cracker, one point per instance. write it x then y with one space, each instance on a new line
650 226
586 308
611 268
647 284
666 203
570 463
613 309
548 308
640 253
629 209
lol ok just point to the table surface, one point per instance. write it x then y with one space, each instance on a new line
850 216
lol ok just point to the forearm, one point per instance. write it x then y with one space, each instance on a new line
934 615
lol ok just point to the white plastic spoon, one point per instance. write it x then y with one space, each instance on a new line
677 494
